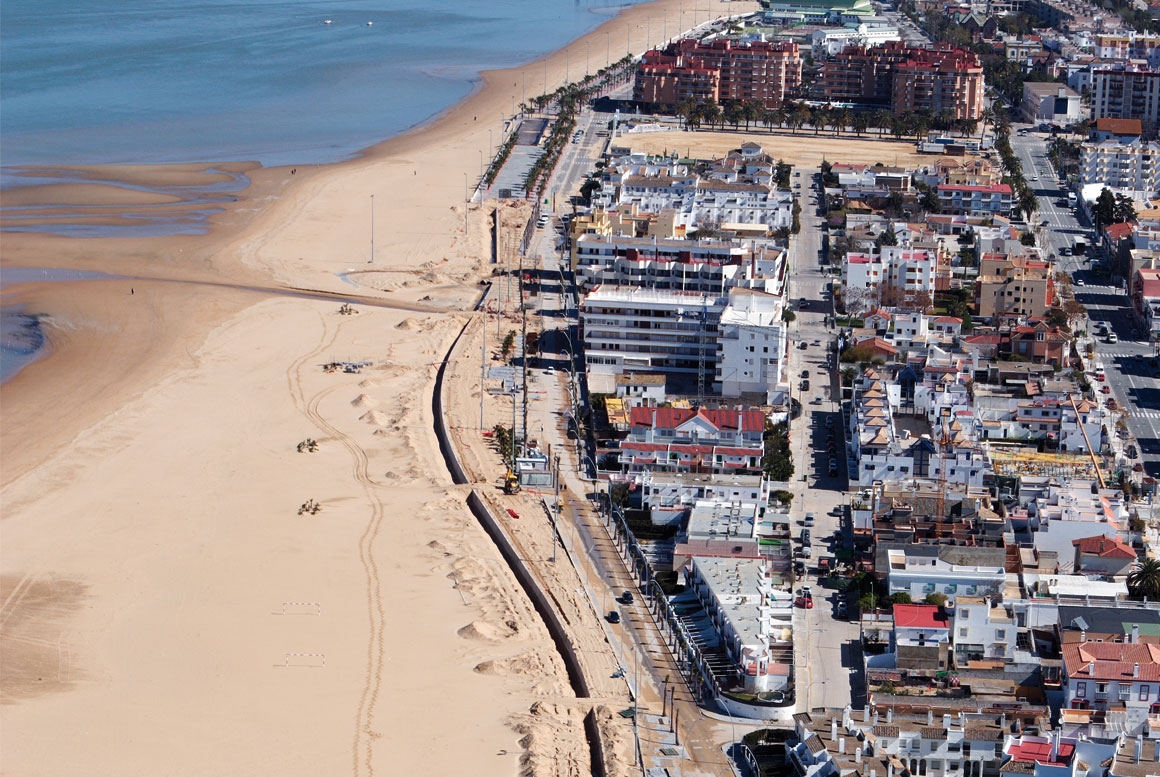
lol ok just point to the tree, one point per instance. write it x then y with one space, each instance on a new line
902 597
888 236
509 342
1027 238
860 122
1124 210
1104 210
788 316
734 113
936 599
587 188
1144 580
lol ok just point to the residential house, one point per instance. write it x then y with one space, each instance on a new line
992 199
1103 556
922 637
1120 681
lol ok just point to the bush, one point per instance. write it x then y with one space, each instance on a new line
783 496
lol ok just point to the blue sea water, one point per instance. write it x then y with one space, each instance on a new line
157 81
267 80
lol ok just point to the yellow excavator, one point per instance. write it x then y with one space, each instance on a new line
511 483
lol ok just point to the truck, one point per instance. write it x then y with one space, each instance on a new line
1072 201
1080 246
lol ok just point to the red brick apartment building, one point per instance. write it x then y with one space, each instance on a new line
722 69
907 78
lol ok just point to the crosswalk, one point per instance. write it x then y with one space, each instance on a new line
1140 413
1119 354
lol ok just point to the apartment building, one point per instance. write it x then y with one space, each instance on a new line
752 343
907 78
1014 288
1132 165
1128 44
906 271
1128 90
720 69
699 266
649 330
993 199
983 630
1051 103
920 570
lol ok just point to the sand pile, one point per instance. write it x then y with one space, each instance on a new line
363 400
375 418
489 632
528 663
409 324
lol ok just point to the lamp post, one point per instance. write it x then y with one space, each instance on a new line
556 508
372 259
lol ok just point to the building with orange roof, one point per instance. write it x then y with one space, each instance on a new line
1120 680
1105 556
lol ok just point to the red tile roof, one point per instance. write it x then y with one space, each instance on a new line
920 616
1040 752
1120 126
1105 547
994 188
1119 231
672 417
1111 661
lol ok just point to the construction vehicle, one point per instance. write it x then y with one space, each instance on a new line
511 483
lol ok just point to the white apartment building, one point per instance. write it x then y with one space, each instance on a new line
902 268
1127 91
920 570
752 343
993 199
1132 165
752 621
830 42
1005 417
699 266
737 190
649 330
668 495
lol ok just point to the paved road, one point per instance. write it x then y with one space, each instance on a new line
827 653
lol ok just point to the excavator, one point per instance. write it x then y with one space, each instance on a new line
511 483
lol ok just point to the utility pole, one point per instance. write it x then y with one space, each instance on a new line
372 260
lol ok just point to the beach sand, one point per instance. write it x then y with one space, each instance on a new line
165 607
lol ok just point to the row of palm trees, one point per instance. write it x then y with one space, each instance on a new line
820 118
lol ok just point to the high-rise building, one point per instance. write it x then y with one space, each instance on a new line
721 69
1127 91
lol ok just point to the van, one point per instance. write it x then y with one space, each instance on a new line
1112 338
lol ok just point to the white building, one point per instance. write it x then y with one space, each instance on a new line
908 271
649 330
1076 510
752 622
752 345
983 631
830 42
1051 103
668 495
1131 165
920 570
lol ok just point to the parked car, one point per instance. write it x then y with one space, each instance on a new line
809 520
806 536
804 602
842 610
805 373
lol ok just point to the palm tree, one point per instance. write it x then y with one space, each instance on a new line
861 122
841 120
1144 580
883 120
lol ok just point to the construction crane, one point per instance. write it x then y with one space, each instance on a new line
944 440
1087 442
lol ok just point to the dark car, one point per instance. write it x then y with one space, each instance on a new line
1131 452
614 617
626 597
805 373
806 384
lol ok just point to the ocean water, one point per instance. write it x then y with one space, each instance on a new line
266 80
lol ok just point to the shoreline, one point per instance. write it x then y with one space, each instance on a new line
152 552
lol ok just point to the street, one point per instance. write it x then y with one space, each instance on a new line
827 650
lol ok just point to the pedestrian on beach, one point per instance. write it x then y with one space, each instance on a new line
131 292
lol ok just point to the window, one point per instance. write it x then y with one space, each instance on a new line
1000 633
962 632
1081 690
1144 691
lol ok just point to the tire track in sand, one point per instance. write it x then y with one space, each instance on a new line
364 733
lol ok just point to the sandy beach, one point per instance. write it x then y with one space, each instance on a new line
166 606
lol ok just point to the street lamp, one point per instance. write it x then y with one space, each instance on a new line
556 508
